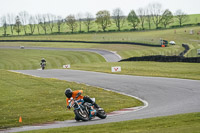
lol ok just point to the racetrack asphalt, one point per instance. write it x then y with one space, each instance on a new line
165 96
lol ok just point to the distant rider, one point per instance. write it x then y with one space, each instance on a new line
43 61
69 93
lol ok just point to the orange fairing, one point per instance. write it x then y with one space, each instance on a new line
74 94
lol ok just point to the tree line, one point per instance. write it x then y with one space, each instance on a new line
152 14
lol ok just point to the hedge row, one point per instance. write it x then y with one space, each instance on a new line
161 58
104 42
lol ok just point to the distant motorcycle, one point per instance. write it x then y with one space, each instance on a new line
85 111
43 64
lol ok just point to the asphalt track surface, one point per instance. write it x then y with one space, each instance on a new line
108 55
165 96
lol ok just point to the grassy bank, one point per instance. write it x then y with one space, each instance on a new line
40 100
153 69
184 123
15 59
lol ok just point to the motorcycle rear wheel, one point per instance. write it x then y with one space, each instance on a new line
101 114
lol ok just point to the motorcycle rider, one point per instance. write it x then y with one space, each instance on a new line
43 61
77 94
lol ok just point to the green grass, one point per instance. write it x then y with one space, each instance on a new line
124 50
152 69
184 123
41 100
29 59
14 59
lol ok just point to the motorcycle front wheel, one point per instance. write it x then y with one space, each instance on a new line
81 115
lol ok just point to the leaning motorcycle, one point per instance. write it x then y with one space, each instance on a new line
85 111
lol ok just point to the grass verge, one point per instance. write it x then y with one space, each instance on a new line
40 100
184 123
153 69
15 59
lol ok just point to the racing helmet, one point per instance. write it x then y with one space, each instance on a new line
68 93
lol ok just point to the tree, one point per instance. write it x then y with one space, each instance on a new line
148 17
79 19
59 22
71 22
18 25
103 19
24 17
118 18
88 21
32 23
167 18
133 19
43 23
11 22
51 21
181 17
156 12
141 15
5 24
38 20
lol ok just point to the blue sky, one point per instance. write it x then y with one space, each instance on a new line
66 7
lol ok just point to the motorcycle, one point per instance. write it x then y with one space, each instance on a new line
85 111
43 64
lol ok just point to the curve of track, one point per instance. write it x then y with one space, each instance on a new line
108 55
165 96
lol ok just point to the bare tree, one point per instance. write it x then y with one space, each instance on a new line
71 22
88 20
5 24
142 16
38 19
148 17
156 12
79 17
118 18
51 21
59 20
181 17
32 23
18 25
11 22
133 19
167 18
103 19
43 23
24 17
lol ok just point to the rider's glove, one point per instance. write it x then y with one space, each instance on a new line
68 107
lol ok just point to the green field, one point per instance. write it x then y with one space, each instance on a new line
125 50
30 59
152 69
40 100
187 123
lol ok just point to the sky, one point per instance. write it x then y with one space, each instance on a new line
66 7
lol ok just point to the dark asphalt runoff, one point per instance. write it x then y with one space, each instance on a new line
108 55
165 96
